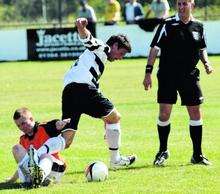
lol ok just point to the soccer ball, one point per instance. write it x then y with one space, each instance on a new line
96 171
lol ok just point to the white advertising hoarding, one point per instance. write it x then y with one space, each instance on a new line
140 40
13 45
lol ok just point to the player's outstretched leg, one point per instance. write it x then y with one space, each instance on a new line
113 136
36 173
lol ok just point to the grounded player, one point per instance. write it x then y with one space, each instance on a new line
81 94
32 169
181 42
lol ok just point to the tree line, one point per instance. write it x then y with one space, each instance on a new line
53 10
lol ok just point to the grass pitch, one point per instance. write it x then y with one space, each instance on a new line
38 85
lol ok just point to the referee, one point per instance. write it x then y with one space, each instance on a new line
81 94
181 42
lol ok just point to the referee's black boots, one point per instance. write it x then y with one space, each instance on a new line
161 157
200 160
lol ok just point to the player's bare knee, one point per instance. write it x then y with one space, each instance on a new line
68 143
114 117
68 136
165 111
18 152
195 117
164 116
16 149
194 113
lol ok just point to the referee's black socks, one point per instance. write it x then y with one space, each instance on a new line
196 137
163 132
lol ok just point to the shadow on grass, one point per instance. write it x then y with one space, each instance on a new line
146 166
74 172
7 186
180 165
125 168
11 186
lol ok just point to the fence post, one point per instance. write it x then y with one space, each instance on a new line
60 12
44 10
206 10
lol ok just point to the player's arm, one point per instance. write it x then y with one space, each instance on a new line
155 47
81 24
85 36
203 53
149 67
158 41
13 178
54 127
204 58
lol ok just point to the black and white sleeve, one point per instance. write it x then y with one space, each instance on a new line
91 43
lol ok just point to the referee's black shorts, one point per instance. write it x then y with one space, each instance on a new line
187 85
82 98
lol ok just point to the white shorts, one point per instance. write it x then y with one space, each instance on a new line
57 171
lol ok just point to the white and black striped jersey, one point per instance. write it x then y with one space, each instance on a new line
179 44
90 65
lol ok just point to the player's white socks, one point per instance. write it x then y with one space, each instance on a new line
46 165
113 137
52 145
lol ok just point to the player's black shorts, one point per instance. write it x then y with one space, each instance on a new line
186 85
82 98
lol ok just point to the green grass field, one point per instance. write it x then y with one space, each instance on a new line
38 85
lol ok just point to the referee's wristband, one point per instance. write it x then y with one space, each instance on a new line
149 69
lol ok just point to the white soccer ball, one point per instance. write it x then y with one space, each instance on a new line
96 171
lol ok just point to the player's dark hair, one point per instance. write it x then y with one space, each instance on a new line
122 41
19 112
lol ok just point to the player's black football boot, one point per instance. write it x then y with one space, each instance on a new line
161 157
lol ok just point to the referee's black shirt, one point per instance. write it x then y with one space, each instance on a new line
180 44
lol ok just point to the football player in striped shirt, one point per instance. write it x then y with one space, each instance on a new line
81 94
